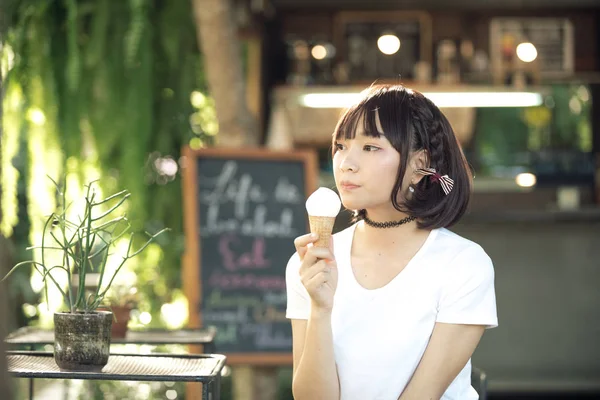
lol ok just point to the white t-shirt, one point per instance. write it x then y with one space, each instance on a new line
380 335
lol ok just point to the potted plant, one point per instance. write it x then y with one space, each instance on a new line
76 247
120 300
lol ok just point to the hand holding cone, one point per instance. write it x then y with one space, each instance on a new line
322 207
322 226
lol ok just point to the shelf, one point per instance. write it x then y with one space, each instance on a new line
309 114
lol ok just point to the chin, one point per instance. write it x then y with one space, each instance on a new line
352 204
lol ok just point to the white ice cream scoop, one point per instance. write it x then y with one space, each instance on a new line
322 207
323 202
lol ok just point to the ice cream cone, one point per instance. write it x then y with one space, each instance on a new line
322 207
323 226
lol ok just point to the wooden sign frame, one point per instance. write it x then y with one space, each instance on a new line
191 271
423 18
517 28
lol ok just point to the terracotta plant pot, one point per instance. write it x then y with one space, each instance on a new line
82 340
120 321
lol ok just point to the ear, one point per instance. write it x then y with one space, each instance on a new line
418 160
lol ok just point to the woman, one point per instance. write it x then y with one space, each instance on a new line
396 306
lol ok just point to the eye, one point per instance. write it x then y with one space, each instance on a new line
370 148
339 146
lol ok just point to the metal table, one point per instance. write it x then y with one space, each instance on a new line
30 337
205 368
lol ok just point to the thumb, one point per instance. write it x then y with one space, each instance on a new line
331 247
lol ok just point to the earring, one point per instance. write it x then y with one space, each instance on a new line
411 189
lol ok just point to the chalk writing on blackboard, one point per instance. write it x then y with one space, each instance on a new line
249 201
248 210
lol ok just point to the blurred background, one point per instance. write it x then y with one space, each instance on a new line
114 89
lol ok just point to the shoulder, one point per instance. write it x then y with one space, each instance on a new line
453 243
463 255
467 294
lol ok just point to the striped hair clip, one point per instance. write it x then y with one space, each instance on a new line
445 181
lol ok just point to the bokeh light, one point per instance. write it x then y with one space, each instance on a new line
526 179
319 52
526 52
388 44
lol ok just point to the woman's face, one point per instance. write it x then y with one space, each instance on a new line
365 170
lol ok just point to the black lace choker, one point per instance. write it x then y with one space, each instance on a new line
389 224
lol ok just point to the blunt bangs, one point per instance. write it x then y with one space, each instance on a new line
385 101
364 111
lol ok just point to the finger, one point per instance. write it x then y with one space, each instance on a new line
301 243
312 257
331 248
308 273
318 280
320 253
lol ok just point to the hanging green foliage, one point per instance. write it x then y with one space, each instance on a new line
102 89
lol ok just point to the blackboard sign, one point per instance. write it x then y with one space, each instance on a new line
243 209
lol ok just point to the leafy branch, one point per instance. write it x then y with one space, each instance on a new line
81 242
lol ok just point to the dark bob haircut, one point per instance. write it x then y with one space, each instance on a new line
411 122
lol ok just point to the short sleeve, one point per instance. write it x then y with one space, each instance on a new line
468 295
298 299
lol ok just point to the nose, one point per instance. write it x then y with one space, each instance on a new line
348 163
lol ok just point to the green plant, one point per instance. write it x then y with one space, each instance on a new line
84 246
71 68
122 296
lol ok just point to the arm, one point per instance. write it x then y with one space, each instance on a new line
311 290
315 372
449 349
466 307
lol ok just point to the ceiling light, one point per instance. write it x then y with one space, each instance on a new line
388 44
441 99
526 52
319 52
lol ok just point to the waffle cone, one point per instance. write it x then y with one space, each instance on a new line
322 226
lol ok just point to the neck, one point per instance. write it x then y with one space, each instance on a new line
387 238
387 224
390 216
388 241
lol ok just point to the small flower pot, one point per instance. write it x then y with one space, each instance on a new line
82 340
120 321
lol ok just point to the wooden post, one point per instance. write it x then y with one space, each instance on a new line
218 40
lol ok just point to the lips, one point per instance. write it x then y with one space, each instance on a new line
348 185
